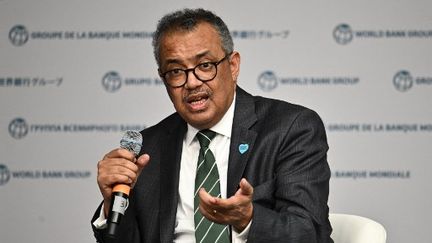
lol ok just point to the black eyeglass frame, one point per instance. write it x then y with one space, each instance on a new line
186 71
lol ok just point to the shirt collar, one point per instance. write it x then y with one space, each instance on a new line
223 127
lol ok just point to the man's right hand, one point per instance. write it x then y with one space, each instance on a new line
118 167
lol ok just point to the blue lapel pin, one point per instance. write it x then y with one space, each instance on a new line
243 148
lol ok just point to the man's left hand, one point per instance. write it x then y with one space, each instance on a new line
236 210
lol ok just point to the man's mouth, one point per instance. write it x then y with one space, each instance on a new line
197 101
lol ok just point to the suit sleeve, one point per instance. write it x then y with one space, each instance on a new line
127 230
295 209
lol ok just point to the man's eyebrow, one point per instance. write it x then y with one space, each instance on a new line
201 55
173 60
179 61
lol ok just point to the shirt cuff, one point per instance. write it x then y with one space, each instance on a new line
240 237
101 222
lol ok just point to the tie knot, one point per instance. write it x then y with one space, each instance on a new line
205 137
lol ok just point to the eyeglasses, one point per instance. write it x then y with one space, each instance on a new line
204 72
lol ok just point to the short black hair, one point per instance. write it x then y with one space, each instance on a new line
187 20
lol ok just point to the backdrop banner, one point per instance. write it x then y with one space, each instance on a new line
74 75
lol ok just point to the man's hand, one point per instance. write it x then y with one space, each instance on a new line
236 210
118 167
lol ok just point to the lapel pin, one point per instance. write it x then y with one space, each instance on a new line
243 148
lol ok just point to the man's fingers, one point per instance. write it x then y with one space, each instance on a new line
245 187
206 198
208 205
121 153
122 179
243 194
236 210
142 161
117 168
117 165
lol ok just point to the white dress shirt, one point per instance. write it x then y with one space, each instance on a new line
220 145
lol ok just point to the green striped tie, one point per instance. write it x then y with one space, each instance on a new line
207 177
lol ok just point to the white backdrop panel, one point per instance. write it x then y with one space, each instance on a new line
57 119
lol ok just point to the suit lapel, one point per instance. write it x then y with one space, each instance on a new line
169 178
241 138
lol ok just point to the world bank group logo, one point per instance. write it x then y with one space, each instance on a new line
18 128
343 34
112 81
18 35
4 174
267 81
403 81
46 174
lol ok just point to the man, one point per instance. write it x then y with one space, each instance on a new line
267 157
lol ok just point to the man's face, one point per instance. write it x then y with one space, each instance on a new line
201 104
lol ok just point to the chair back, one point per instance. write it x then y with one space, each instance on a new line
356 229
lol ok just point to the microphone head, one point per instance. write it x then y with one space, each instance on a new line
132 141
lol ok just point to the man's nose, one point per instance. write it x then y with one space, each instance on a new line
192 81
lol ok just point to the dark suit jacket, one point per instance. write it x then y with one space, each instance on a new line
285 163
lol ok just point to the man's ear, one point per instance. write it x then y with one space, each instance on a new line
235 65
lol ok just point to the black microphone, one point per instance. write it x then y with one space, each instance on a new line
132 141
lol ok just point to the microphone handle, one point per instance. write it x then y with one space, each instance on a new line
119 204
